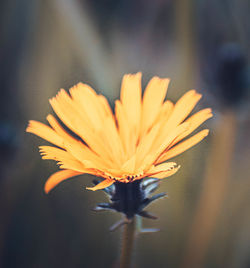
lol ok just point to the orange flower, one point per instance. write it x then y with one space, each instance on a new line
126 146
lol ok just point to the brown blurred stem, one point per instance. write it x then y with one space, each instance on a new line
214 190
128 241
185 41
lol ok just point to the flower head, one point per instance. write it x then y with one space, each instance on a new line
133 143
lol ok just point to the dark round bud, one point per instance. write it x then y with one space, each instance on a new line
231 74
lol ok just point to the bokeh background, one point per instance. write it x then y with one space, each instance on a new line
52 44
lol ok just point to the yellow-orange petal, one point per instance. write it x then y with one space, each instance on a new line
163 170
159 149
145 144
181 110
87 102
105 106
153 98
122 126
131 98
165 174
62 106
130 107
58 177
183 146
112 139
101 185
82 153
59 129
69 114
65 160
185 105
129 166
44 132
194 122
165 112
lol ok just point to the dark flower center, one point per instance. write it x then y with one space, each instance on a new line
131 198
128 197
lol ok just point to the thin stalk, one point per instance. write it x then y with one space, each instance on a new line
128 241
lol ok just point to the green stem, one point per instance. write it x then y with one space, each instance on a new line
128 240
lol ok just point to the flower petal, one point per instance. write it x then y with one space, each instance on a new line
82 153
101 185
129 110
194 122
183 146
65 159
146 143
58 177
129 166
113 140
131 98
66 110
163 170
153 98
184 106
165 112
181 110
159 148
44 132
165 174
87 102
123 129
105 106
59 129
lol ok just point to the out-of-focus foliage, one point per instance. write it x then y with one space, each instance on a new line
49 44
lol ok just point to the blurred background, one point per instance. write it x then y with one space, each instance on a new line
51 44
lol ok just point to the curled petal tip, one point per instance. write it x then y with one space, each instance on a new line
195 93
101 185
206 132
29 126
46 190
91 188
